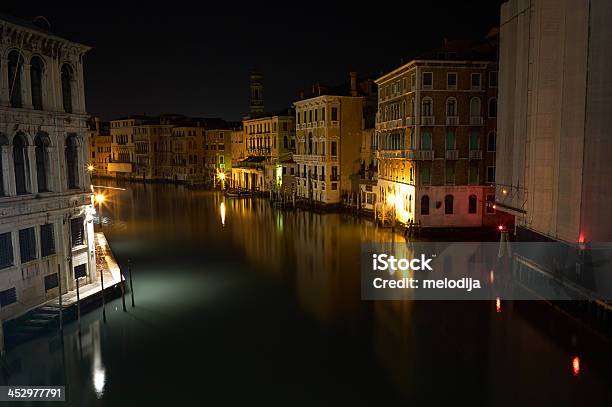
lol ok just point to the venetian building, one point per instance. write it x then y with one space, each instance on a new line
46 229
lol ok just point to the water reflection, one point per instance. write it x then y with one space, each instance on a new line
233 291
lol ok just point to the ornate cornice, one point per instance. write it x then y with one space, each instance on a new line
32 40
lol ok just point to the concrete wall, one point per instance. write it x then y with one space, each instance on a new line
551 162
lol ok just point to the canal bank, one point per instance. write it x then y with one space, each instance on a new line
70 305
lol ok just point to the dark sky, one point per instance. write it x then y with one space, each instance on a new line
196 61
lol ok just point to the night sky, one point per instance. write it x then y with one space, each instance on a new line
196 61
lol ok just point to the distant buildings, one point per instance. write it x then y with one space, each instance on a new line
436 130
46 229
269 140
169 148
99 145
329 127
553 162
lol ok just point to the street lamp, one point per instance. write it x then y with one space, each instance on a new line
90 168
221 177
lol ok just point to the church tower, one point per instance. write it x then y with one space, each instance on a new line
257 102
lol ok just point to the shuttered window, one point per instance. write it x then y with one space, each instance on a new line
47 240
27 245
77 231
6 250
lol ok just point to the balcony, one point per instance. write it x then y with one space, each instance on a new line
452 154
428 120
476 121
410 121
408 154
424 154
475 154
452 120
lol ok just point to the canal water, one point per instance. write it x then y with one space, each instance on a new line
241 304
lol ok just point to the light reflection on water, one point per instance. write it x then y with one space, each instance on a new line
231 292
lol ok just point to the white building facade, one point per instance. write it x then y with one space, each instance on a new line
46 225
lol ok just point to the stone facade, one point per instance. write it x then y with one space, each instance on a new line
45 200
436 131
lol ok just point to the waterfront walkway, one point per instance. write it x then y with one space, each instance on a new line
45 317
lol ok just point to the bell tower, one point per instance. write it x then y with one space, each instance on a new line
256 102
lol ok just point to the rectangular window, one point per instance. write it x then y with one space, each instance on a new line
8 297
491 175
334 186
77 232
334 149
6 250
80 271
475 81
450 172
334 114
450 140
27 245
427 80
51 281
425 175
473 179
493 79
474 140
323 114
451 80
412 82
47 240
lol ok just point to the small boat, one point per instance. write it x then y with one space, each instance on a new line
237 194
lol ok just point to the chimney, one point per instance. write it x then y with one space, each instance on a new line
353 83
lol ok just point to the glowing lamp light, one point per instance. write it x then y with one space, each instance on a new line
576 366
500 228
492 276
498 307
221 175
494 206
100 198
504 191
90 168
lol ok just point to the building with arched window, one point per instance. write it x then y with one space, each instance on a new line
442 137
44 184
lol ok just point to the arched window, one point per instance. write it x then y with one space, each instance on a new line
15 71
285 142
493 107
412 107
67 78
36 82
472 204
451 107
448 204
3 142
42 167
475 107
427 107
425 205
72 162
20 162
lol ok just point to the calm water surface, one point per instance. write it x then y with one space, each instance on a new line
241 304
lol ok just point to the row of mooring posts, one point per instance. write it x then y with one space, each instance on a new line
122 287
